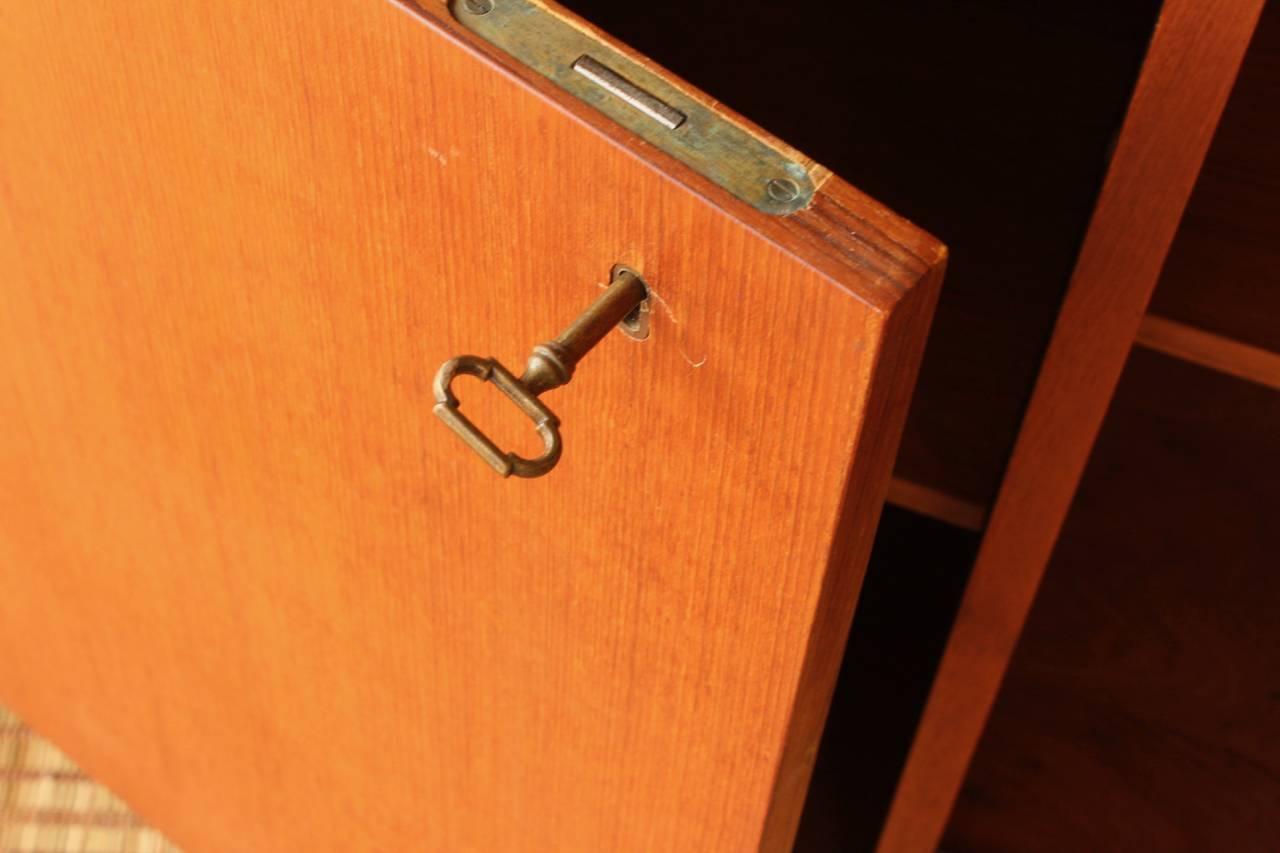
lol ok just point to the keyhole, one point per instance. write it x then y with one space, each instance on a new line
636 324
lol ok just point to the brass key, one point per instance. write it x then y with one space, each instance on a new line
550 365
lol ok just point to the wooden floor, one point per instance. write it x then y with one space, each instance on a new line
47 805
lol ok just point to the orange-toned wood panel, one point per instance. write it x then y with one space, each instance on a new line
1185 82
252 584
1140 709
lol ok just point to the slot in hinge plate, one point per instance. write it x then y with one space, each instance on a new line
663 115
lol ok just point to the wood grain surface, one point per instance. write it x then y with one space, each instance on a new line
1185 82
253 585
1221 275
1140 710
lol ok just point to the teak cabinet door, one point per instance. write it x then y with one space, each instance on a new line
249 581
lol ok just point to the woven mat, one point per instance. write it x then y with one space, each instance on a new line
48 806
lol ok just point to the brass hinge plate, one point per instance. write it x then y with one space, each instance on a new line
663 115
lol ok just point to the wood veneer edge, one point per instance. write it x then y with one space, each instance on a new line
894 373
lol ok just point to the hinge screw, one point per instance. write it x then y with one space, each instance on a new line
782 190
478 7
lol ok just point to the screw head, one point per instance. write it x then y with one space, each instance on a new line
478 7
782 190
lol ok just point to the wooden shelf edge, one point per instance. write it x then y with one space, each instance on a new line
1206 349
937 504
